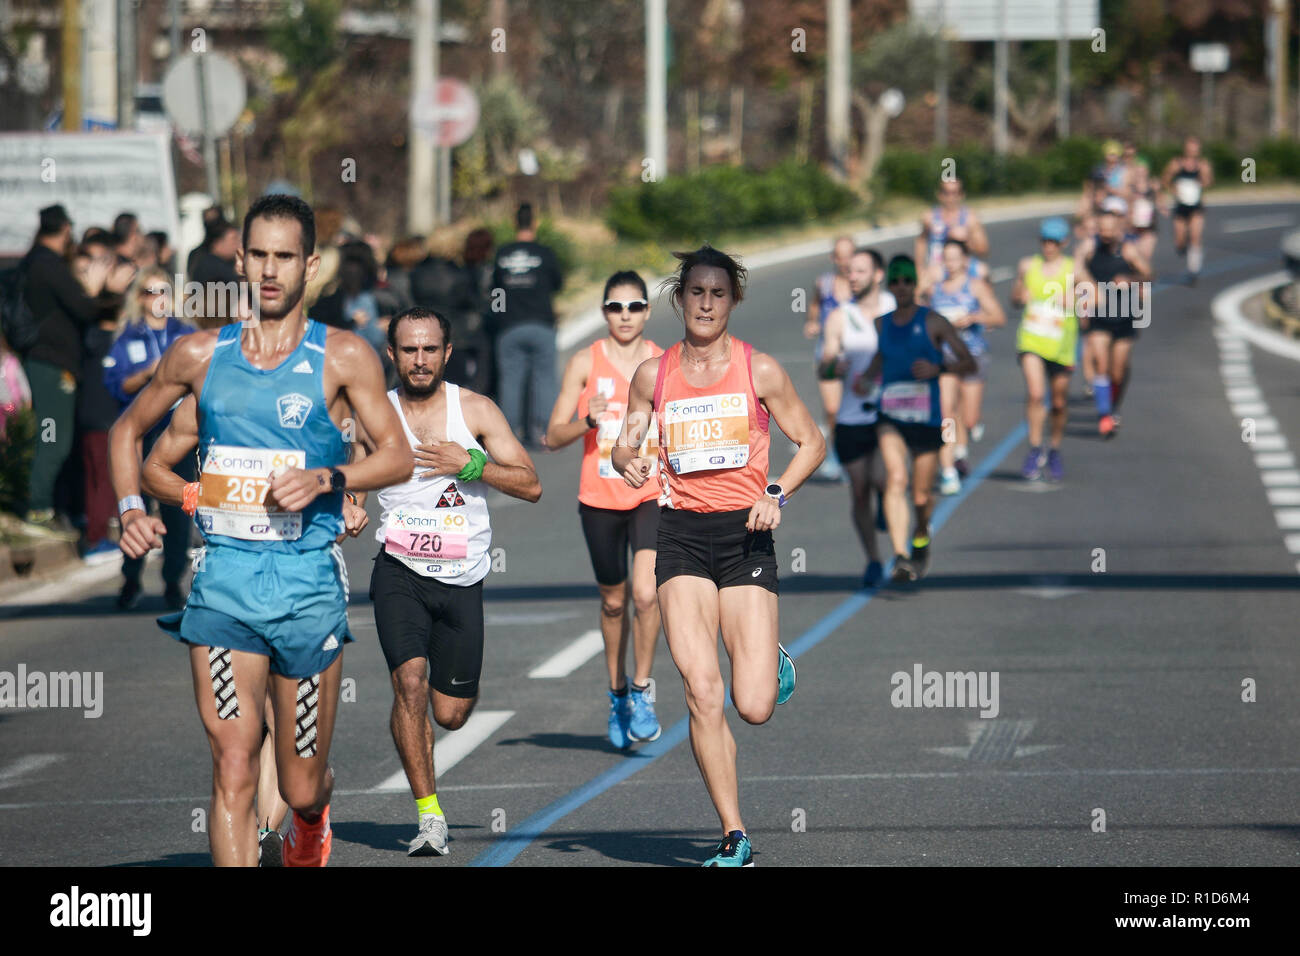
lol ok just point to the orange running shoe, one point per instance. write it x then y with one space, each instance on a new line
1106 426
308 844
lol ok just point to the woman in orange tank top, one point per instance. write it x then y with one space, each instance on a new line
614 514
712 396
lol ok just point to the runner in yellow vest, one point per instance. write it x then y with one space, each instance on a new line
1046 342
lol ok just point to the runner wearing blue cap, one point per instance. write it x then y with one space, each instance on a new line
1045 342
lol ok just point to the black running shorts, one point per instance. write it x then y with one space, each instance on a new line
715 546
919 439
854 441
1117 328
420 617
609 532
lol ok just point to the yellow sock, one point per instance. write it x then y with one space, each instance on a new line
428 804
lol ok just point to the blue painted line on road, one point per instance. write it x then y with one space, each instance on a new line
505 850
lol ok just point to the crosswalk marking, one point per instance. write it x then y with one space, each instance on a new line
451 747
570 658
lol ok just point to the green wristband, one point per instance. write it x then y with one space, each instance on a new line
474 470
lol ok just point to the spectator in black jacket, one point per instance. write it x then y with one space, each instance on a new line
526 276
64 309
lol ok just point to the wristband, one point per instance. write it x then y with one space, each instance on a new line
590 423
351 497
190 498
131 503
474 470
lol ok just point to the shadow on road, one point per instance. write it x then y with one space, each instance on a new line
385 836
654 849
562 742
174 859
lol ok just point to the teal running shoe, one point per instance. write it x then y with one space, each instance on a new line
732 851
620 716
784 677
643 725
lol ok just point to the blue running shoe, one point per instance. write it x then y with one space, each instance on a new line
732 851
620 716
1055 467
874 575
1032 469
784 683
644 725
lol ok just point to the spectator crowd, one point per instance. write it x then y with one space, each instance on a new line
101 310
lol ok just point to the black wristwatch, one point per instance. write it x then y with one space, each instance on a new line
590 423
338 481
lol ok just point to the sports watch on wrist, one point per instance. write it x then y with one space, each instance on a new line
777 493
338 481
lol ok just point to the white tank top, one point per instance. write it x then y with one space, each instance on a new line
438 527
860 344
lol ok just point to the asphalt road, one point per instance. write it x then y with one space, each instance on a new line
1120 691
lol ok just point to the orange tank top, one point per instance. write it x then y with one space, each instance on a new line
599 485
713 441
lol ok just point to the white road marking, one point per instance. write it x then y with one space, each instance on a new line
1293 543
993 740
1275 459
1252 223
1273 478
1265 424
1287 518
1249 409
1050 594
571 658
500 619
451 747
12 775
1226 308
1284 496
1268 443
1244 393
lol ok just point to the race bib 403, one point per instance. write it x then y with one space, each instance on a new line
233 489
708 432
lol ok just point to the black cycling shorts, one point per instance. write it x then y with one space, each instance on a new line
715 546
421 617
608 533
854 441
919 439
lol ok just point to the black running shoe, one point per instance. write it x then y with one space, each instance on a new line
129 596
268 849
921 558
904 571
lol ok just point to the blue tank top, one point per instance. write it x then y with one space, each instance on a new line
939 232
914 403
960 302
826 295
281 408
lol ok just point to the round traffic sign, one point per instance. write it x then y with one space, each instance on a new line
451 118
225 93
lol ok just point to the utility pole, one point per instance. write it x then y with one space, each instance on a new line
1063 74
1000 138
420 194
941 79
656 86
71 57
1279 17
126 65
838 43
174 31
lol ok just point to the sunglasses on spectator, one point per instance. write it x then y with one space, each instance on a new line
636 306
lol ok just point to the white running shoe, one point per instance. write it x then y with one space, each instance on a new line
432 838
949 482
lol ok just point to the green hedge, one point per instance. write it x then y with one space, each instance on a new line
721 199
1063 165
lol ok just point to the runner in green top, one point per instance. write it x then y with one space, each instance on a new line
1045 342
